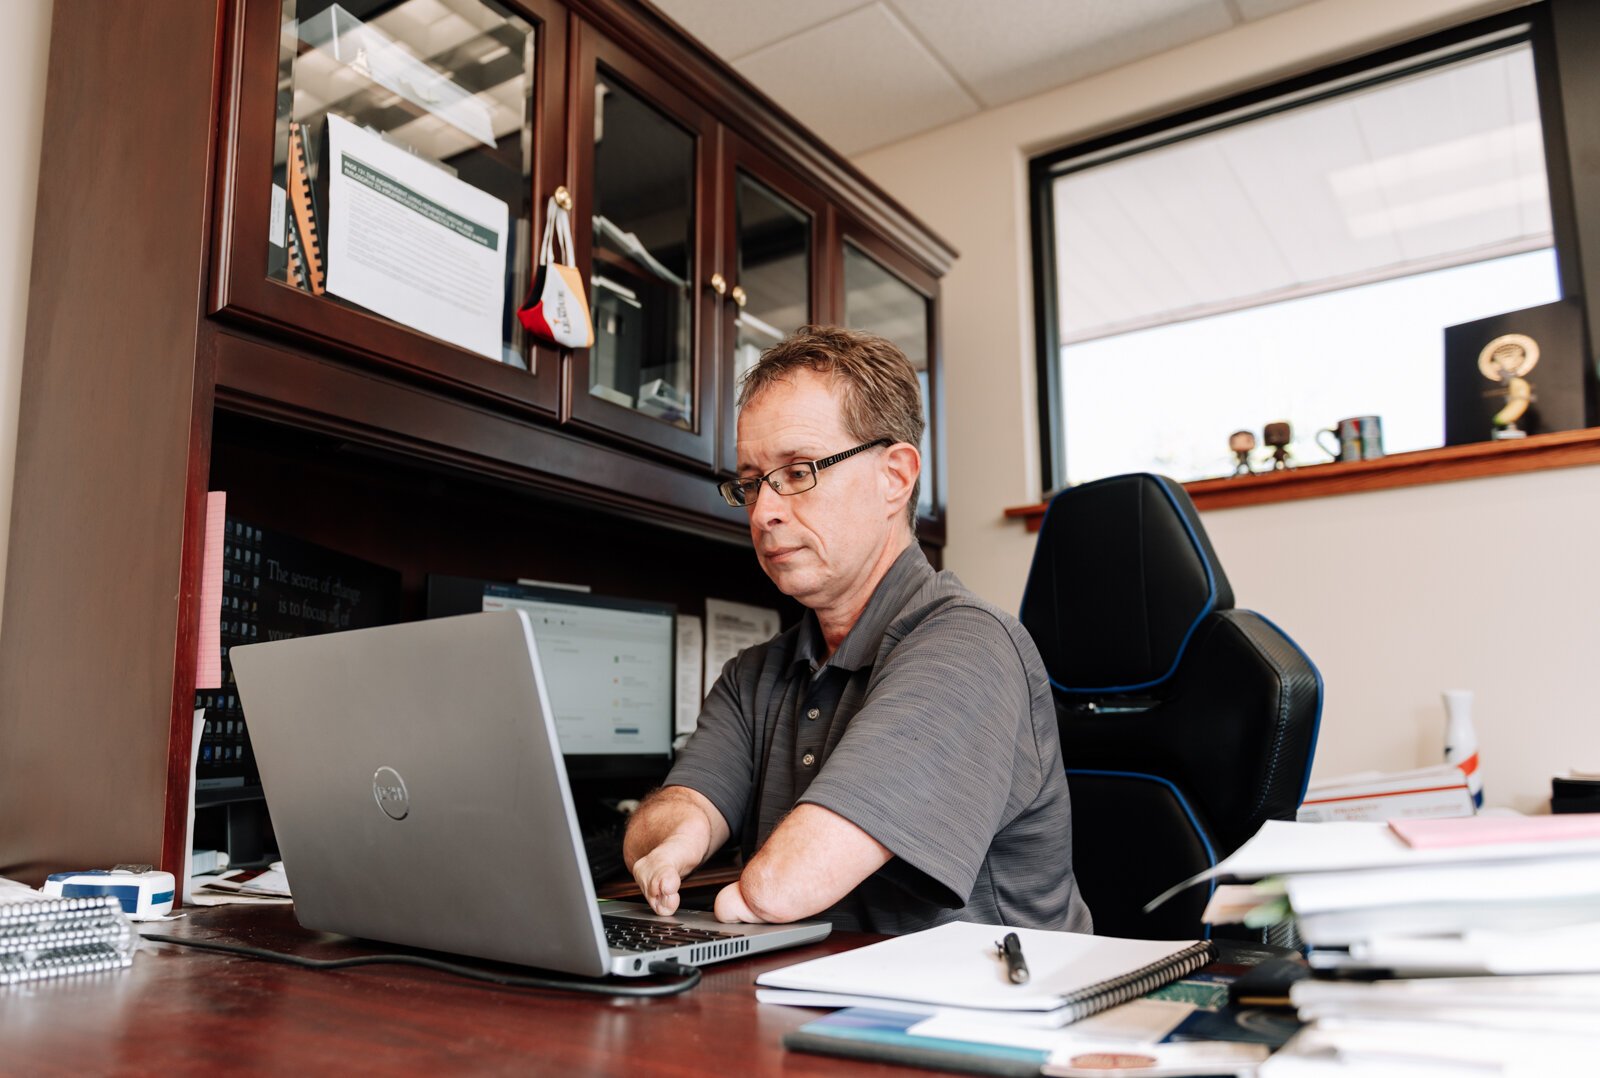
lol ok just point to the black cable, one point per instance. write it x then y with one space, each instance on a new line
691 974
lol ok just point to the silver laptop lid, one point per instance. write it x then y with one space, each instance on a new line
417 789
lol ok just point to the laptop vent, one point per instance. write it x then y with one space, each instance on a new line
710 952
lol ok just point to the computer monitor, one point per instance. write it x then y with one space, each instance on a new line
608 666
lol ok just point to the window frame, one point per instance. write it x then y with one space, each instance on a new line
1555 88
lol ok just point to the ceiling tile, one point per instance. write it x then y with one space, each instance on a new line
732 30
1008 51
1259 9
859 81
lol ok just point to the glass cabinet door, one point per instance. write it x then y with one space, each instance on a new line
774 225
390 207
898 303
642 206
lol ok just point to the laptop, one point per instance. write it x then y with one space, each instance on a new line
419 797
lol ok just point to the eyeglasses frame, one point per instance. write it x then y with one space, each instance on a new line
727 487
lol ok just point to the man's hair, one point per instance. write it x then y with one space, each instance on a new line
879 395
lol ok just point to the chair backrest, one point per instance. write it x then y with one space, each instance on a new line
1185 723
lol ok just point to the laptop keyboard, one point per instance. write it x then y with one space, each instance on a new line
628 934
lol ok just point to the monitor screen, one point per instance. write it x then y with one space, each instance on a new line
608 668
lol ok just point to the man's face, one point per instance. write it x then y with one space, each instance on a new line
821 545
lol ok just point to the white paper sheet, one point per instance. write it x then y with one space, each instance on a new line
188 834
732 627
1435 885
1283 848
691 685
414 243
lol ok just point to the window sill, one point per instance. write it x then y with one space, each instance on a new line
1563 449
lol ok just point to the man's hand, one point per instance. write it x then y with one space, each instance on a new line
674 830
660 873
732 908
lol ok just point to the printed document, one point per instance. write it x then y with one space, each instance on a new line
732 627
413 243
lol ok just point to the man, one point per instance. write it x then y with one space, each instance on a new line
891 762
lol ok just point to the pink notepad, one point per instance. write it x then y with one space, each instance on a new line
208 642
1495 830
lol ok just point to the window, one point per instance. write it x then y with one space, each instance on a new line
1295 256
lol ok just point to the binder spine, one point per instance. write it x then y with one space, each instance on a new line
1132 985
302 205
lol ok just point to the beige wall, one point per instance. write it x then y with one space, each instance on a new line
1395 595
23 51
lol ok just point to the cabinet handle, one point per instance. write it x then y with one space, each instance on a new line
563 198
719 284
740 296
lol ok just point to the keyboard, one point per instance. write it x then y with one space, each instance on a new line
629 934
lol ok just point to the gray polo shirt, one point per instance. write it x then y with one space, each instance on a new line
931 728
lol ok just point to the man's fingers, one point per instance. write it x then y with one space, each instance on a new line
659 883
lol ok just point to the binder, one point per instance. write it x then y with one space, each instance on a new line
305 243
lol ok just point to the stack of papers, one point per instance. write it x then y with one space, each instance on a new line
1432 906
1427 792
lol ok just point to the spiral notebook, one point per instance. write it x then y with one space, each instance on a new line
58 937
955 967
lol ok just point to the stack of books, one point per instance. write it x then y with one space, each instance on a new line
1424 793
1476 941
58 937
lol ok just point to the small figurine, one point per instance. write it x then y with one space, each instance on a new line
1278 436
1505 361
1242 442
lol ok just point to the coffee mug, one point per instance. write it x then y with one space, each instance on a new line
1360 438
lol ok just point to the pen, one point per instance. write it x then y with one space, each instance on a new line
1010 949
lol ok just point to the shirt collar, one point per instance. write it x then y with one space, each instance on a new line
860 646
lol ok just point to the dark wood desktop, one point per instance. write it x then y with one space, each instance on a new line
181 1011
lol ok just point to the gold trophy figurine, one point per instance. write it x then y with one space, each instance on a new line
1506 360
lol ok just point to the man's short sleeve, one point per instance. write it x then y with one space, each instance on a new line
717 759
928 765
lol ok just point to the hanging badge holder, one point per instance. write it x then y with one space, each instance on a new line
557 312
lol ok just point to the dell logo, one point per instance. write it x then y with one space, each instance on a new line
389 791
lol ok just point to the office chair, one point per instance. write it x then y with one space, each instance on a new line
1185 723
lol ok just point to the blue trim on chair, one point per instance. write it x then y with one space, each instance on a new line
1205 611
1183 803
1316 723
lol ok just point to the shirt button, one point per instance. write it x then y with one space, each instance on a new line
808 759
813 713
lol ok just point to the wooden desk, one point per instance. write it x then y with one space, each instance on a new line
180 1011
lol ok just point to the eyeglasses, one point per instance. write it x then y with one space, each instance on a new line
794 478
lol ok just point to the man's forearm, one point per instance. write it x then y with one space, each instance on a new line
681 816
669 836
811 860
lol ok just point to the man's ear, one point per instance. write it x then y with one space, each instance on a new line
902 463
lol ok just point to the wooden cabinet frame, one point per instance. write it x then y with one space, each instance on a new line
241 291
696 445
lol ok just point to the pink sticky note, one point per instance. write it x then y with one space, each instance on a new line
208 657
1495 830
